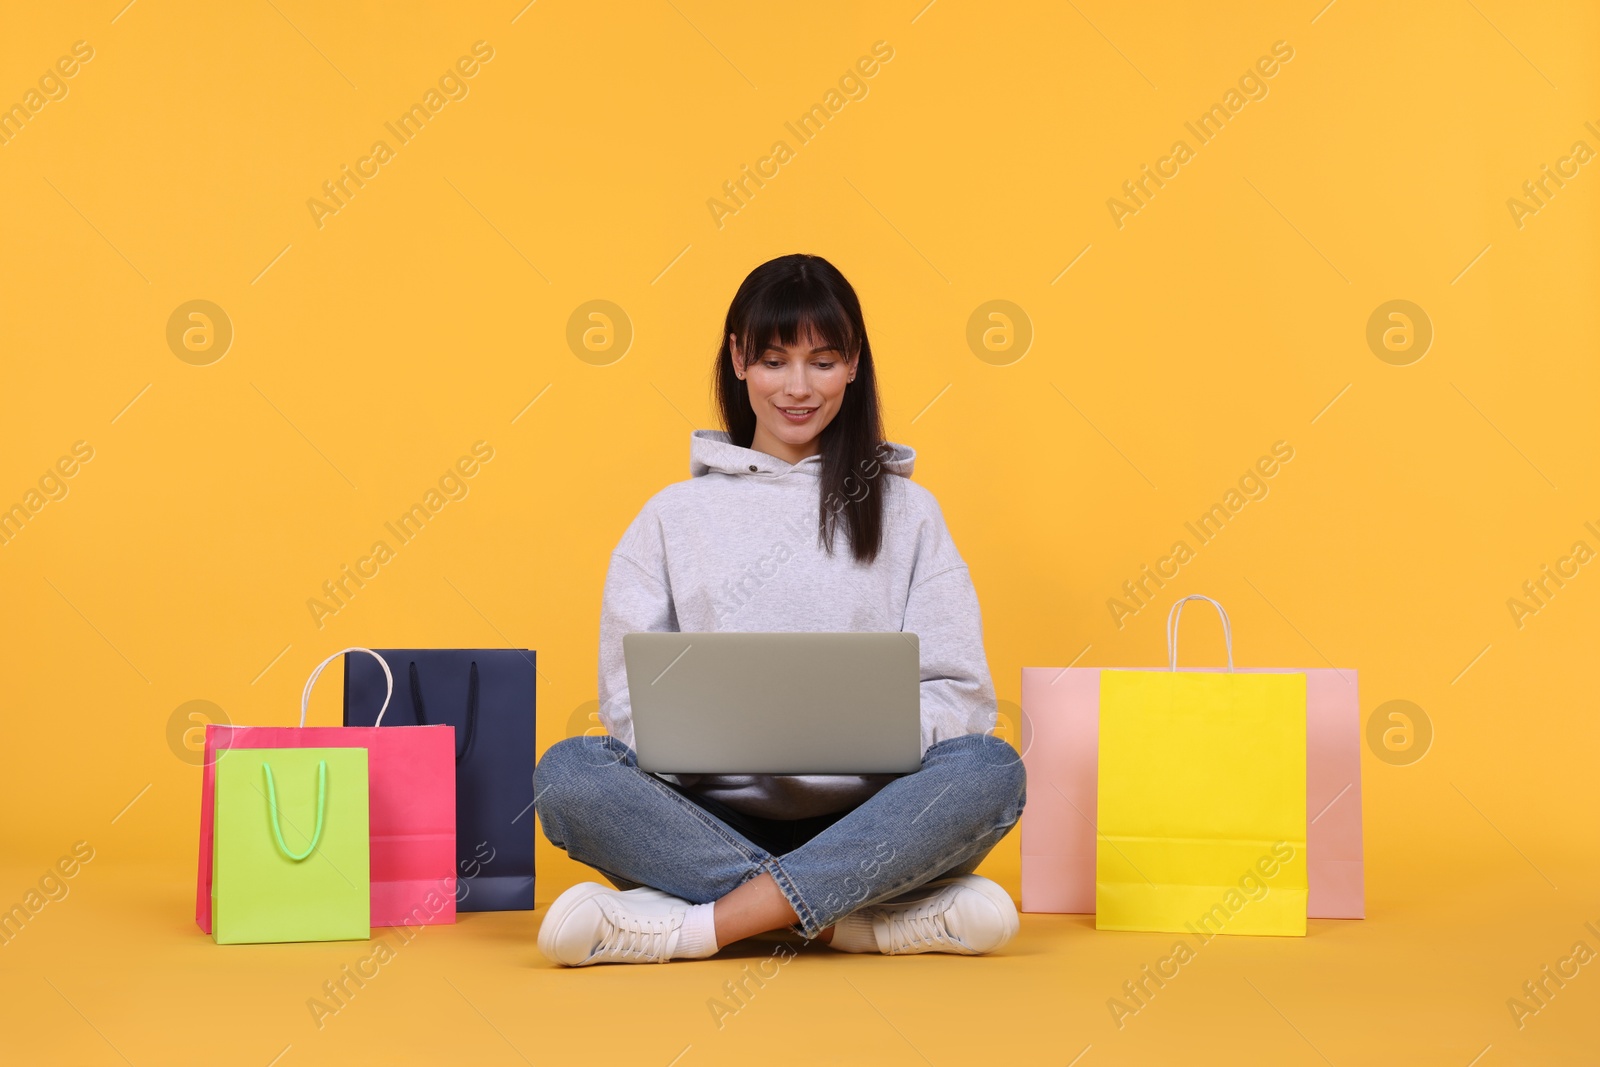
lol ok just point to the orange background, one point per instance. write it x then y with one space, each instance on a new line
1165 356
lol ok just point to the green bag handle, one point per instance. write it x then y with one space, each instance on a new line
322 801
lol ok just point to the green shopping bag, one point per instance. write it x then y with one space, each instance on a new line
290 861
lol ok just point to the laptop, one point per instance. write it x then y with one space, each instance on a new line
775 703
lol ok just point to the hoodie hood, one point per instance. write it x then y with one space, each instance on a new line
714 450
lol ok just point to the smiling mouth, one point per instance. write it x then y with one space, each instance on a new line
797 414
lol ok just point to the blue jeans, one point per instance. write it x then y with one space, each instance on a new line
596 804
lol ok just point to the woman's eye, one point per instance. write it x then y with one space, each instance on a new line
777 364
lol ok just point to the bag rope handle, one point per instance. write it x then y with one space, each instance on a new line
1172 630
305 697
272 808
465 745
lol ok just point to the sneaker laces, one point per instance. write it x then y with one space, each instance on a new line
922 925
634 936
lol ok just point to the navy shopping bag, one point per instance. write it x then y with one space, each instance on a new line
488 695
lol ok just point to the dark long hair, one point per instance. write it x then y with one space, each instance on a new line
781 299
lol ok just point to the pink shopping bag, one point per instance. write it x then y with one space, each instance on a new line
1062 707
411 800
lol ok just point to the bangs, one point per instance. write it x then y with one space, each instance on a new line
785 316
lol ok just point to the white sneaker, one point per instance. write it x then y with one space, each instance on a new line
967 915
592 923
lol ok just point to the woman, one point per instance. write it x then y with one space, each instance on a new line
863 863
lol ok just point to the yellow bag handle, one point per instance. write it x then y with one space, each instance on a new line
1172 630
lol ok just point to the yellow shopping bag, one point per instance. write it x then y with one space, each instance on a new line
1202 799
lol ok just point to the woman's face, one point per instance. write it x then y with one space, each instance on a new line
795 392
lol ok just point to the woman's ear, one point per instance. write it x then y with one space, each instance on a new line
733 351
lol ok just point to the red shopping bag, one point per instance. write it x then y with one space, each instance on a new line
411 800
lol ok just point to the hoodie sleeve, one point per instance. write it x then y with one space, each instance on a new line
637 598
942 610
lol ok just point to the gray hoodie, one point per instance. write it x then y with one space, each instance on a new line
735 548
